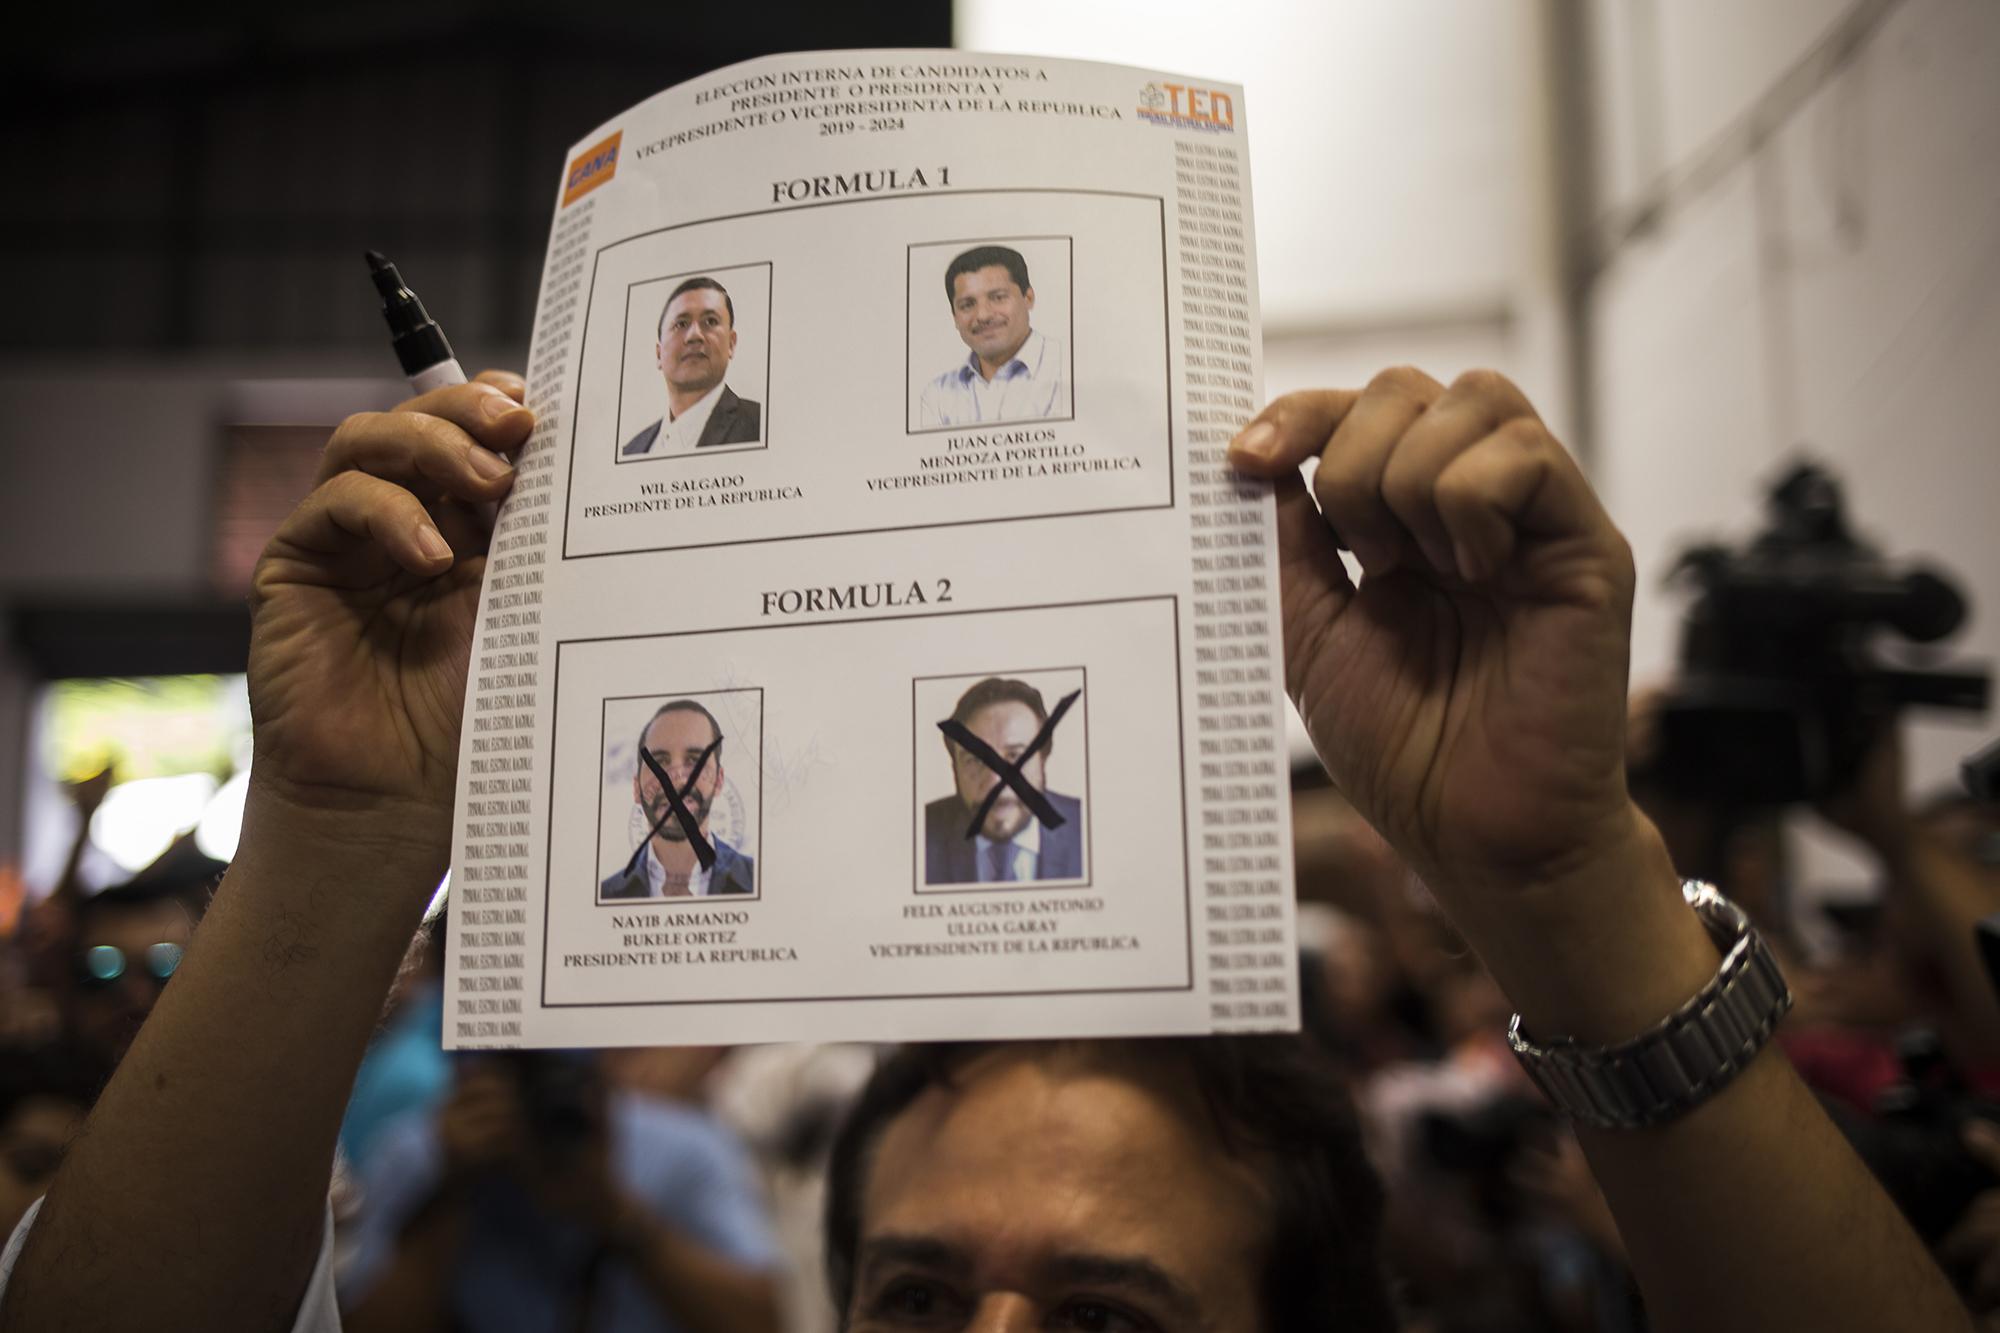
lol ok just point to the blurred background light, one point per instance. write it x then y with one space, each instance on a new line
222 821
139 820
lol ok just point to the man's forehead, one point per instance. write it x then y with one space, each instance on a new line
1002 716
1036 1149
683 726
982 279
696 300
149 922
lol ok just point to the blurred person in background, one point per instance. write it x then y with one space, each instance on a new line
786 1102
538 1197
405 1068
44 1096
126 943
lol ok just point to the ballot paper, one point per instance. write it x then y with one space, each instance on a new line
876 644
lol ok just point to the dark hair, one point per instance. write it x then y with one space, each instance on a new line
704 283
985 256
994 690
145 892
676 706
1273 1100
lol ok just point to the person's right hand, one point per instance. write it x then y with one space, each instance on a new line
364 604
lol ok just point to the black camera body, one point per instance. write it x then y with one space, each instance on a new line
1780 695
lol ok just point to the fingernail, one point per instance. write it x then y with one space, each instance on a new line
432 543
1260 439
487 463
495 405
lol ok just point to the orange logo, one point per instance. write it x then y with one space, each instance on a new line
598 164
1186 107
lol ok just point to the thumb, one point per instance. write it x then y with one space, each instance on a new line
1313 587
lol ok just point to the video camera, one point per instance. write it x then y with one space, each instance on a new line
1781 695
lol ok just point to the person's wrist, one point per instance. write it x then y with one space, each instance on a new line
1598 945
401 831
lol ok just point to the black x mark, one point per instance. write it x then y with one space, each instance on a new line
1010 774
675 810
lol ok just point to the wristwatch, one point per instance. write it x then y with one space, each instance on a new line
1689 1056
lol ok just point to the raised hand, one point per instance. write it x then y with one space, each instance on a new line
365 599
1469 695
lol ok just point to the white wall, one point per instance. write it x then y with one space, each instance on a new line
1395 161
1867 332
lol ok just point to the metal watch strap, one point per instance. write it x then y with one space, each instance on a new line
1686 1059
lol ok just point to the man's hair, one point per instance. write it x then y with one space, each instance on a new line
1276 1102
142 894
985 256
995 690
704 283
676 706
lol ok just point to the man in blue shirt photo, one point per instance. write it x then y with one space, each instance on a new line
1013 372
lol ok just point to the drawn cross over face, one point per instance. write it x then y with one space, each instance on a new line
697 339
677 740
991 313
1009 727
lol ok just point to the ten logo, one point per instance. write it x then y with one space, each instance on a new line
598 164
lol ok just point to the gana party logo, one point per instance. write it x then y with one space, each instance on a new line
597 164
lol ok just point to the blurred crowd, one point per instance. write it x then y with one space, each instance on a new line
492 1191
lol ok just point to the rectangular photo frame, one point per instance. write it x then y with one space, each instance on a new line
617 745
653 293
934 258
925 697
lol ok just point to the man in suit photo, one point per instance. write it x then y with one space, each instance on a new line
697 338
685 740
1012 844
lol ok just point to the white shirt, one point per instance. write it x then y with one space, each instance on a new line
1024 847
680 434
1032 386
656 876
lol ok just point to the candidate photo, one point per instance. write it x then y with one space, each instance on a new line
679 783
1003 821
695 342
1012 363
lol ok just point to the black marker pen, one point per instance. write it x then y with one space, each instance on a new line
420 346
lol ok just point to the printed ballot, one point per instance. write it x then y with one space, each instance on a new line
876 644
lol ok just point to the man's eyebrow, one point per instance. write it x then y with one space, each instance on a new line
1115 1272
1126 1272
917 1251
